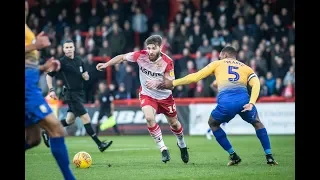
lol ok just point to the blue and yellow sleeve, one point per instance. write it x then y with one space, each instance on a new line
195 77
254 82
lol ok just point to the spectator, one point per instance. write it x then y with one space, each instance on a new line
105 50
205 48
139 24
270 82
117 40
201 60
263 87
290 77
278 87
264 37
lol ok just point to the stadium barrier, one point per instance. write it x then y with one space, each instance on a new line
278 118
277 114
130 120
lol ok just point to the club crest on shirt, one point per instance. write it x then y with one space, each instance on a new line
43 108
171 73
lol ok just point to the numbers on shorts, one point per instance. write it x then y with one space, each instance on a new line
231 70
172 108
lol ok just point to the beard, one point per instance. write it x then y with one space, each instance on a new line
155 57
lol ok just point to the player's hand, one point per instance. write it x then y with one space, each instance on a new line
247 107
42 41
51 65
53 95
56 64
101 66
166 84
47 66
85 76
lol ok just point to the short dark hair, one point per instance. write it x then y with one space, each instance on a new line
229 51
68 41
154 39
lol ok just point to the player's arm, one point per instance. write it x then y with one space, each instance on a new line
30 48
255 84
42 41
50 65
195 77
43 68
49 79
85 74
169 73
118 59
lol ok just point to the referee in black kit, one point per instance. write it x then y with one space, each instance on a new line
73 74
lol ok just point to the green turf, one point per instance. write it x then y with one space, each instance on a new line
137 158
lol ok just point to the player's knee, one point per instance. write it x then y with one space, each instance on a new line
53 126
257 124
85 118
70 120
213 123
56 130
150 119
34 141
173 122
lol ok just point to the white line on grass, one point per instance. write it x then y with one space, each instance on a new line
109 150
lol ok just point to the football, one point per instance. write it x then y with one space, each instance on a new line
82 160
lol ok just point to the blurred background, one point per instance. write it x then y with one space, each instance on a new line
193 31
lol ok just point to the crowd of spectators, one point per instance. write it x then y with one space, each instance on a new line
262 31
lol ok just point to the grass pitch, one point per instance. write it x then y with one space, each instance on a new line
137 158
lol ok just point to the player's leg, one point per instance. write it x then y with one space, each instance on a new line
168 108
149 108
177 129
38 111
57 144
218 116
252 117
76 99
32 136
109 122
209 134
116 129
115 126
33 106
101 115
70 119
154 129
81 112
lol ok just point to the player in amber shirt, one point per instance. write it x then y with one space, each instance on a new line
37 111
232 77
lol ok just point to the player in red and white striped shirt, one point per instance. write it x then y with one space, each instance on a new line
153 67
